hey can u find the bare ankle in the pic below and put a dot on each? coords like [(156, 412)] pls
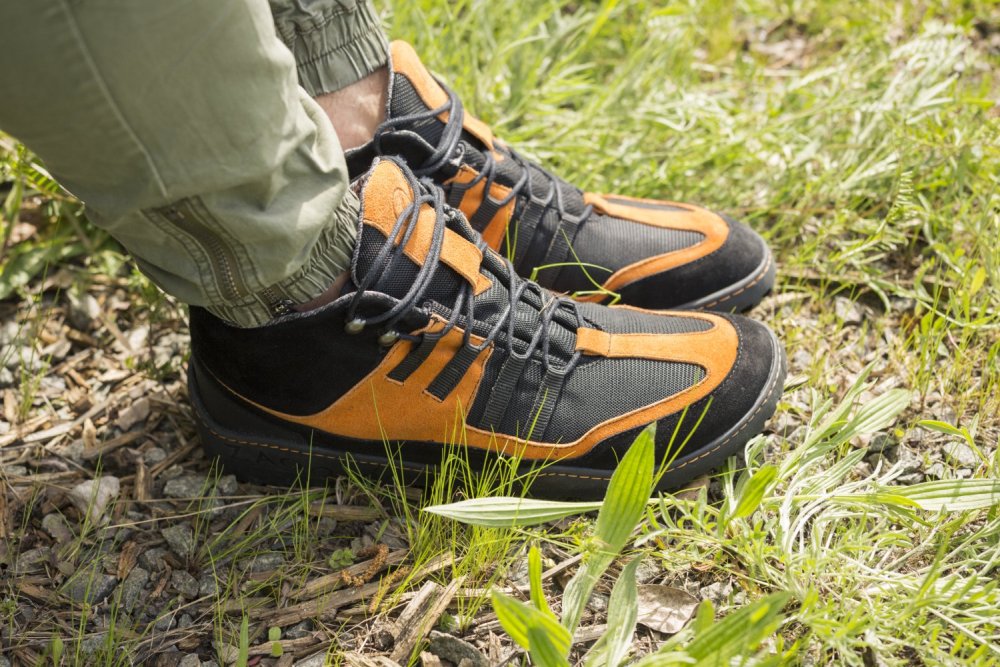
[(357, 109), (329, 296)]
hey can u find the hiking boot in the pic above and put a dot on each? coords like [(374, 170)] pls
[(437, 340), (654, 254)]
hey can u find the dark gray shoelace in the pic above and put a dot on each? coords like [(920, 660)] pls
[(387, 258), (449, 150)]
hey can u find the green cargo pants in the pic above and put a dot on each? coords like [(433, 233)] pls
[(188, 129)]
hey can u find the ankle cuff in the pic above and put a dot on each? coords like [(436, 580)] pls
[(329, 257), (333, 46)]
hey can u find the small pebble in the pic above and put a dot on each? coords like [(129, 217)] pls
[(94, 497), (133, 587), (181, 540), (455, 650), (961, 454), (185, 487), (208, 585), (55, 525), (154, 455), (184, 584), (90, 589), (152, 559)]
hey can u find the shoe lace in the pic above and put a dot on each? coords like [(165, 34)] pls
[(450, 149), (388, 256)]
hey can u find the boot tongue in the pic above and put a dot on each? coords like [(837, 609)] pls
[(414, 90), (386, 195)]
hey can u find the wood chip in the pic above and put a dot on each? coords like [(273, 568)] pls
[(345, 512), (9, 407), (421, 615), (95, 450), (326, 606), (590, 634), (429, 659), (331, 582), (287, 645), (143, 482), (127, 559), (359, 660)]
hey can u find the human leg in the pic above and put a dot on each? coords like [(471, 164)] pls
[(183, 128), (341, 55)]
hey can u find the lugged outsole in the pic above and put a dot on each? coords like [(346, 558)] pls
[(292, 459)]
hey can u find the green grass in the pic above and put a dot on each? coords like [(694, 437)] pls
[(863, 140)]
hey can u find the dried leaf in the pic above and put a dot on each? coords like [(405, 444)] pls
[(665, 608), (127, 559)]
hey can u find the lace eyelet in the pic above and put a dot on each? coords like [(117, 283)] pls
[(354, 327)]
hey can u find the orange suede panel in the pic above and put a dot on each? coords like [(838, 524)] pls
[(406, 61), (387, 195), (691, 218), (379, 408), (496, 230), (713, 349)]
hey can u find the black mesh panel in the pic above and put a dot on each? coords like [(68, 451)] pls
[(519, 417), (631, 321), (656, 206), (606, 388), (614, 243)]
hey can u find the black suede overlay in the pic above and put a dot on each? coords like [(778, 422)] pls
[(299, 366), (738, 257)]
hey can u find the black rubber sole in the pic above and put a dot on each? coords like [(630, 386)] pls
[(256, 448), (742, 295)]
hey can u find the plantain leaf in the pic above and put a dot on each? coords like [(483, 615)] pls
[(623, 610), (509, 512), (877, 414), (518, 619), (535, 578), (543, 649), (754, 490), (628, 492), (736, 637), (950, 495), (624, 505)]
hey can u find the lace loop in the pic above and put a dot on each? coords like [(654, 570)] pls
[(464, 306), (449, 150)]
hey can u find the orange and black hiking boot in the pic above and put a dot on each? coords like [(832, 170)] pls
[(436, 340), (654, 254)]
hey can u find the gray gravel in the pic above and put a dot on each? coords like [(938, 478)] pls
[(181, 540)]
